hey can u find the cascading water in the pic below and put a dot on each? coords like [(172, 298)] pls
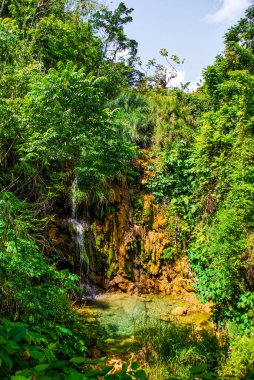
[(77, 228), (78, 233), (83, 238)]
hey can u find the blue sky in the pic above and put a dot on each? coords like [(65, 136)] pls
[(191, 29)]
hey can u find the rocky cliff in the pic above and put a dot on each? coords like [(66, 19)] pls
[(130, 244)]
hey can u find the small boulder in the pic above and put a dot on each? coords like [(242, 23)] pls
[(176, 289), (179, 311), (187, 285), (124, 286), (118, 279)]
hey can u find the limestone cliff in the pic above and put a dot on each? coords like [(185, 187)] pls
[(131, 244)]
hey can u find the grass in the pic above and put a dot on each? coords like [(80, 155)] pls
[(171, 351)]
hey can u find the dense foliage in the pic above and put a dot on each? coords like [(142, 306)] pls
[(204, 147), (55, 87), (75, 103)]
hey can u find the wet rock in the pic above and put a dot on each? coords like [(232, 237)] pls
[(187, 285), (178, 267), (176, 289), (130, 240), (119, 279), (136, 275), (164, 287), (98, 279), (124, 286), (196, 308), (179, 311), (132, 288)]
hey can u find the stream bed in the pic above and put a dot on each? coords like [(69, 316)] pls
[(117, 317)]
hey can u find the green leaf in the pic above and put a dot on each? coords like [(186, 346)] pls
[(58, 364), (141, 375), (199, 368), (35, 354), (135, 366), (125, 376), (6, 360), (76, 376), (100, 372), (18, 334), (12, 347), (112, 377), (40, 368), (124, 368), (77, 360)]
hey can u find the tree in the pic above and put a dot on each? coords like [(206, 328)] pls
[(28, 12)]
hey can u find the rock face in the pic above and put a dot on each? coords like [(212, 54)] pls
[(133, 245), (136, 242)]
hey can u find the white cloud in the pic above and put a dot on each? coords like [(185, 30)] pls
[(120, 54), (193, 85), (230, 11), (180, 78)]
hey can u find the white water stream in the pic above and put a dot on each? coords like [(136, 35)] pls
[(76, 226)]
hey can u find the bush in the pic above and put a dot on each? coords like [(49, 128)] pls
[(240, 364), (176, 351), (27, 354)]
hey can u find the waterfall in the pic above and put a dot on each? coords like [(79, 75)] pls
[(82, 236), (77, 228), (78, 234)]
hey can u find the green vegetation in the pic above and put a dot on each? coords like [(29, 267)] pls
[(55, 122), (178, 352), (71, 107)]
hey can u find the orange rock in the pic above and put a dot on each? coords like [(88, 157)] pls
[(176, 289), (179, 311)]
